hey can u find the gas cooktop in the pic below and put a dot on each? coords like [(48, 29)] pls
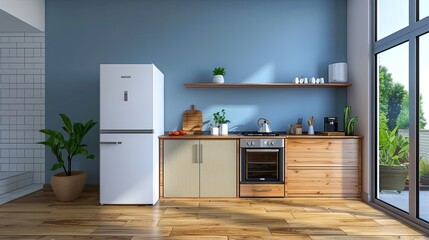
[(262, 133)]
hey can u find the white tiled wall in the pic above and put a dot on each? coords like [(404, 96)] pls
[(22, 103)]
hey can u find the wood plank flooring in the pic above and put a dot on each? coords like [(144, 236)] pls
[(40, 216)]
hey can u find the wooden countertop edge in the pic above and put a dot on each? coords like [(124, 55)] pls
[(322, 136), (235, 136), (232, 136)]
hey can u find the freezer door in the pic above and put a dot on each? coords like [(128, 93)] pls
[(127, 167), (126, 96)]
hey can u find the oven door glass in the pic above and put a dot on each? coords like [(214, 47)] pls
[(262, 165)]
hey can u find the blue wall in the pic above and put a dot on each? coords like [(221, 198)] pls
[(256, 41)]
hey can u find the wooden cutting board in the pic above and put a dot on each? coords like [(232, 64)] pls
[(193, 121)]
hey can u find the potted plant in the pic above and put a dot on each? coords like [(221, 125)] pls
[(393, 160), (424, 171), (68, 184), (221, 121), (218, 75), (214, 129), (349, 122)]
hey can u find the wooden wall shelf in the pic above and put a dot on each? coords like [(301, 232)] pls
[(265, 85)]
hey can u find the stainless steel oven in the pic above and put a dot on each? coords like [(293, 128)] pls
[(262, 160)]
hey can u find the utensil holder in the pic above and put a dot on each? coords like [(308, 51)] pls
[(311, 130)]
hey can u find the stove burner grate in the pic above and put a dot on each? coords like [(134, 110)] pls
[(260, 134)]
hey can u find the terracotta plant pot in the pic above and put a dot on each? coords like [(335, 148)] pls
[(393, 177), (68, 188)]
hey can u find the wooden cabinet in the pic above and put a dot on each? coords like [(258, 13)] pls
[(181, 168), (262, 190), (199, 168), (323, 167)]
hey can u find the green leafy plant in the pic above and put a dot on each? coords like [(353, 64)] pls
[(219, 71), (424, 167), (393, 148), (71, 143), (220, 118), (349, 122)]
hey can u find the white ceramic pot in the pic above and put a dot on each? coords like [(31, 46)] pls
[(218, 79), (214, 131), (311, 130), (224, 129)]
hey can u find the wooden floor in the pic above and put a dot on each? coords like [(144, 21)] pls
[(40, 216)]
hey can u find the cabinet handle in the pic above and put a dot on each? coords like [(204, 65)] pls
[(201, 153), (262, 190), (197, 155), (262, 150), (110, 142)]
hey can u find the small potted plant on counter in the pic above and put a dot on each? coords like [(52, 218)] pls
[(214, 129), (221, 121), (218, 75), (68, 185)]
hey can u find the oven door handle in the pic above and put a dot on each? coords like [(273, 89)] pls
[(262, 150)]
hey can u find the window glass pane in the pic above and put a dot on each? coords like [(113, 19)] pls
[(423, 8), (392, 15), (424, 128), (393, 125)]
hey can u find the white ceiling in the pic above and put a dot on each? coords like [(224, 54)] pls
[(9, 23), (22, 15)]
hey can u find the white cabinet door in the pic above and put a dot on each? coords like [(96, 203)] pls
[(126, 169), (181, 168), (218, 168), (126, 96)]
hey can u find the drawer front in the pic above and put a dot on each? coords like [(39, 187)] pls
[(318, 183), (262, 190), (322, 152)]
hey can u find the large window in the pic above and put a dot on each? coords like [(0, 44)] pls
[(423, 44), (392, 15), (393, 122), (402, 108), (423, 8)]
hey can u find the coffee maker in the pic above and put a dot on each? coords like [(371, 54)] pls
[(331, 124)]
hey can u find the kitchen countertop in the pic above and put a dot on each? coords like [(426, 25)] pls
[(201, 136), (238, 136)]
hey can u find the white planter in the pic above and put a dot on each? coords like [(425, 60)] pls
[(214, 131), (218, 79), (311, 130), (224, 129)]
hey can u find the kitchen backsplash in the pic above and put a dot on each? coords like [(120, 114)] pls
[(22, 103)]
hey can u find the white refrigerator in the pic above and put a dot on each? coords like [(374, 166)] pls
[(131, 119)]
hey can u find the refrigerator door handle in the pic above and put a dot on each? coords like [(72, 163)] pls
[(110, 142), (125, 96)]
